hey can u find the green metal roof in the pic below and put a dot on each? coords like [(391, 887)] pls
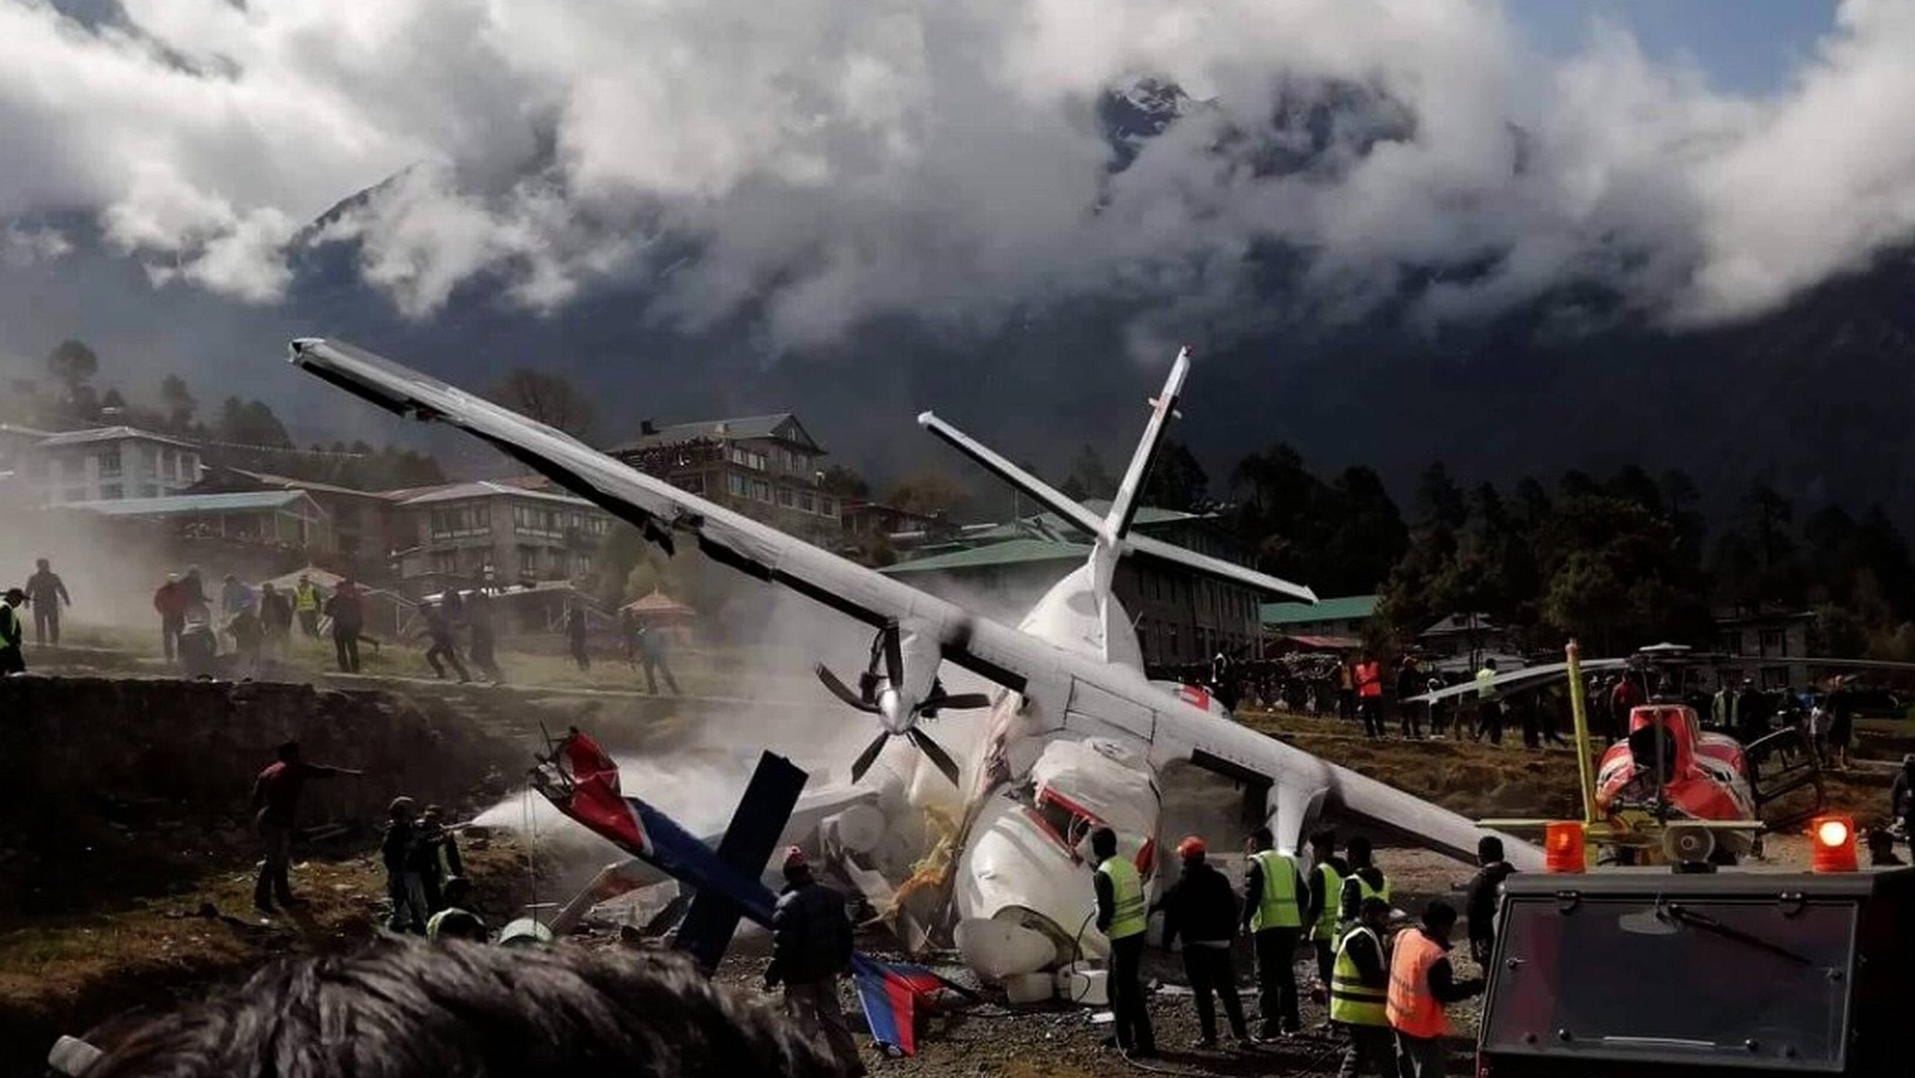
[(1009, 552), (1337, 609), (192, 503)]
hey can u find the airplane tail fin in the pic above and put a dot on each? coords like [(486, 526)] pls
[(1123, 507), (581, 780), (890, 993), (1113, 530)]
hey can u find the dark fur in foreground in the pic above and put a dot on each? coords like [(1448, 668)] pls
[(409, 1010)]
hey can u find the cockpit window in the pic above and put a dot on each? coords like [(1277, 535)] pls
[(1066, 822)]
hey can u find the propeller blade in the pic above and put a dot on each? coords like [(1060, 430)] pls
[(893, 656), (865, 759), (841, 691), (956, 702), (936, 752)]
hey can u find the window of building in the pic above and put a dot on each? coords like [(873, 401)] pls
[(695, 482), (827, 507), (112, 492), (445, 562), (1729, 642), (528, 557), (110, 462), (786, 497), (1773, 642), (457, 521), (746, 458), (760, 490), (807, 501), (737, 484), (582, 565)]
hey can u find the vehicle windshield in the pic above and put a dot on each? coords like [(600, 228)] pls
[(1730, 982)]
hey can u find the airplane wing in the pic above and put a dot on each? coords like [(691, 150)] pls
[(1079, 690), (668, 515), (1305, 787), (1517, 679)]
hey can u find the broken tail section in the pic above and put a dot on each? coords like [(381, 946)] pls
[(582, 782)]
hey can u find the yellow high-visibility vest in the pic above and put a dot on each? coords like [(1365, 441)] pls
[(1327, 917), (1351, 1001), (1129, 917), (1279, 905)]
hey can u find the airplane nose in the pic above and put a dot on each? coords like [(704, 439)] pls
[(1016, 873)]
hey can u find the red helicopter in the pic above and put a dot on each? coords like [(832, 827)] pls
[(1671, 790)]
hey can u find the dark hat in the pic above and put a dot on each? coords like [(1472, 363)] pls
[(15, 593)]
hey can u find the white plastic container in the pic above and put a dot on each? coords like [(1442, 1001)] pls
[(1027, 988), (1088, 987)]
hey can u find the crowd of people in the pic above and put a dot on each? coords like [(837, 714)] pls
[(1388, 995), (1377, 698)]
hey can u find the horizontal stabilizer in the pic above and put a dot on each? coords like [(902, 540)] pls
[(1091, 524), (1046, 495)]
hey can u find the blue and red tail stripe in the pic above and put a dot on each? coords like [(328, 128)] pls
[(889, 993)]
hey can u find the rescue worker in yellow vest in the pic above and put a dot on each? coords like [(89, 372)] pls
[(1122, 916), (306, 606), (1422, 984), (1323, 900), (12, 659), (1273, 916), (1364, 880), (1489, 708), (1359, 993)]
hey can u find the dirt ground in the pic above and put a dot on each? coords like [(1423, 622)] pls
[(150, 950)]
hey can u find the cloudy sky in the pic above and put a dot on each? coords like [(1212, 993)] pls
[(813, 164)]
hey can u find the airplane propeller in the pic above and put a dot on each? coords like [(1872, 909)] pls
[(888, 696)]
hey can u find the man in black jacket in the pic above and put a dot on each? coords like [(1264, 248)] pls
[(1202, 907), (47, 592), (1483, 897), (810, 947)]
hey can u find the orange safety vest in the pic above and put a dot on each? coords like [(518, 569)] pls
[(1369, 679), (1412, 1008)]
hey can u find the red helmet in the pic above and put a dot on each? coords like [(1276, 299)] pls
[(1192, 846)]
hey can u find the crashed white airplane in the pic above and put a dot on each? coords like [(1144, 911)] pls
[(1077, 738)]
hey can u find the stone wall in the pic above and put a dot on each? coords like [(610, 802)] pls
[(152, 776)]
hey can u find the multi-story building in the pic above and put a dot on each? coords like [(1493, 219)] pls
[(1181, 617), (109, 463), (764, 466), (1765, 646), (278, 518), (364, 523), (498, 532), (1338, 622)]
